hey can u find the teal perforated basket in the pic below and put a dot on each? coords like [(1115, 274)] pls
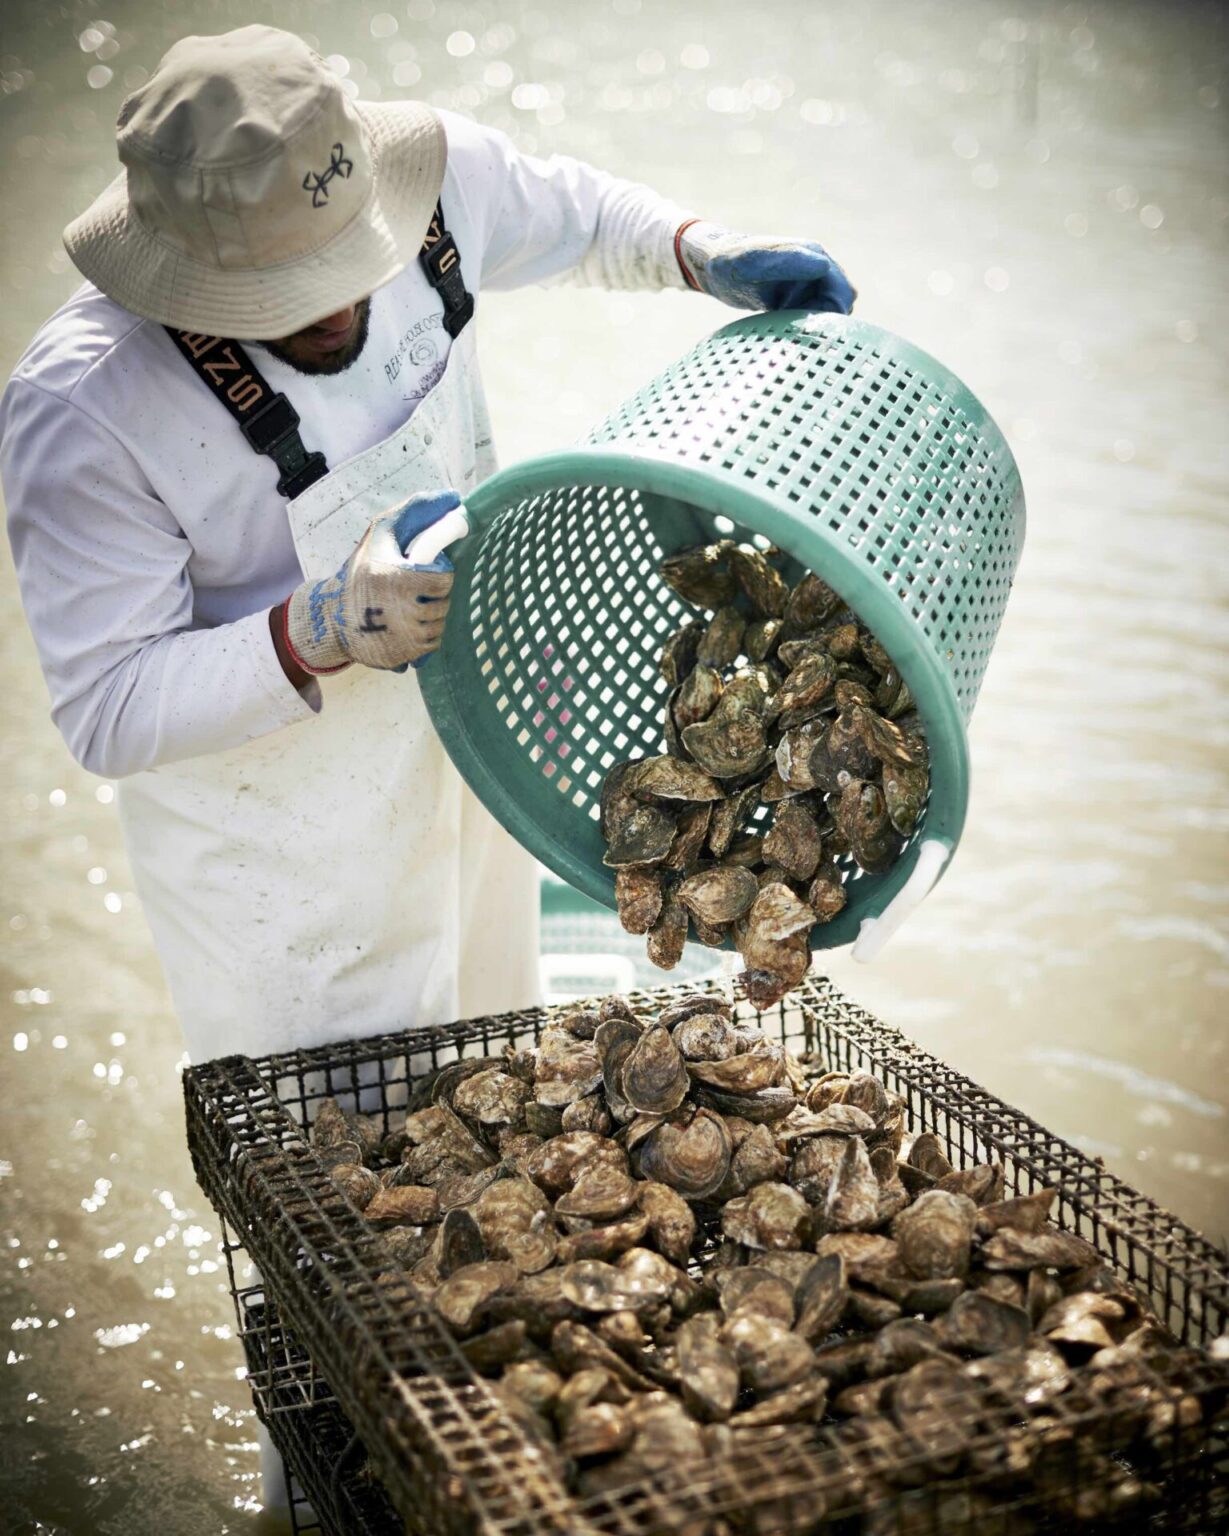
[(858, 455)]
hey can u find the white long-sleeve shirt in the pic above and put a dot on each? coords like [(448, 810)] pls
[(150, 540)]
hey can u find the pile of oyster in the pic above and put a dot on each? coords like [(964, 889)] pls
[(779, 698), (658, 1236)]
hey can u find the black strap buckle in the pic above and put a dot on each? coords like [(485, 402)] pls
[(270, 424)]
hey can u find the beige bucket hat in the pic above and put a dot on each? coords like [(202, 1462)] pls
[(256, 197)]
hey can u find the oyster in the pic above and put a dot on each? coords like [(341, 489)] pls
[(809, 605), (701, 576), (635, 832), (463, 1296), (770, 1356), (794, 842), (638, 896), (698, 695), (491, 1097), (654, 1076), (568, 1069), (934, 1235), (678, 654), (978, 1324), (760, 638), (671, 1222), (729, 816), (852, 1199), (822, 1296), (411, 1205), (707, 1037), (764, 586), (668, 778), (805, 691), (668, 935), (600, 1191), (730, 743), (720, 894), (691, 1154), (708, 1371), (862, 821), (768, 1216), (721, 642)]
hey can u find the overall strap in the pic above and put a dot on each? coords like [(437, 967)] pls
[(266, 417), (441, 261)]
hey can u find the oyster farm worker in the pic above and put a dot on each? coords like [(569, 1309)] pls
[(215, 456)]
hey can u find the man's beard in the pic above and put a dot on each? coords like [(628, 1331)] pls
[(332, 362)]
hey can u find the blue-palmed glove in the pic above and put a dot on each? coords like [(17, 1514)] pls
[(378, 609), (750, 272)]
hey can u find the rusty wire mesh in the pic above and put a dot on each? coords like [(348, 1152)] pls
[(340, 1352)]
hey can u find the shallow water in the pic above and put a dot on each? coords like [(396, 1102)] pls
[(1036, 193)]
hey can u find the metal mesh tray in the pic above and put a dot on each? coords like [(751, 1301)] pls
[(452, 1460)]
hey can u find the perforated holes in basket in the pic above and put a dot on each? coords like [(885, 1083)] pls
[(568, 617), (842, 429)]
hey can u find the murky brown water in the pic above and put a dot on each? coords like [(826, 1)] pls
[(1037, 193)]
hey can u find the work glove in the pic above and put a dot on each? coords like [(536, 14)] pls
[(747, 272), (378, 610)]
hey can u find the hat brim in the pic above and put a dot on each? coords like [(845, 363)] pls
[(114, 250)]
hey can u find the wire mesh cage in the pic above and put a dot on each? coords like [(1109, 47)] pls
[(373, 1352), (854, 453)]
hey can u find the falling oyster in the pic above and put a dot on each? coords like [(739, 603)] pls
[(794, 841), (638, 896), (668, 935), (691, 829), (719, 895)]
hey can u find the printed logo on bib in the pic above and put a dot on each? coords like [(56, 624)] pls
[(417, 347)]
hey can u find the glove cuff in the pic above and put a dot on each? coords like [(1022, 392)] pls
[(678, 253), (320, 658)]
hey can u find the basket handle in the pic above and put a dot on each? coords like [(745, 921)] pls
[(876, 931)]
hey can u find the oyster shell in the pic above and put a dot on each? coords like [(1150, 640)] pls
[(707, 1037), (568, 1069), (764, 586), (691, 1155), (721, 642), (794, 842), (701, 576), (678, 654), (668, 935), (492, 1097), (768, 1216), (669, 778), (671, 1222), (638, 896), (697, 696), (719, 895), (708, 1371), (934, 1235), (654, 1076)]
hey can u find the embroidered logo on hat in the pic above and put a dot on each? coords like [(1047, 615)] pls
[(317, 182)]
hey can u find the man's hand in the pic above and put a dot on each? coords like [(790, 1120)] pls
[(752, 273), (378, 610)]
